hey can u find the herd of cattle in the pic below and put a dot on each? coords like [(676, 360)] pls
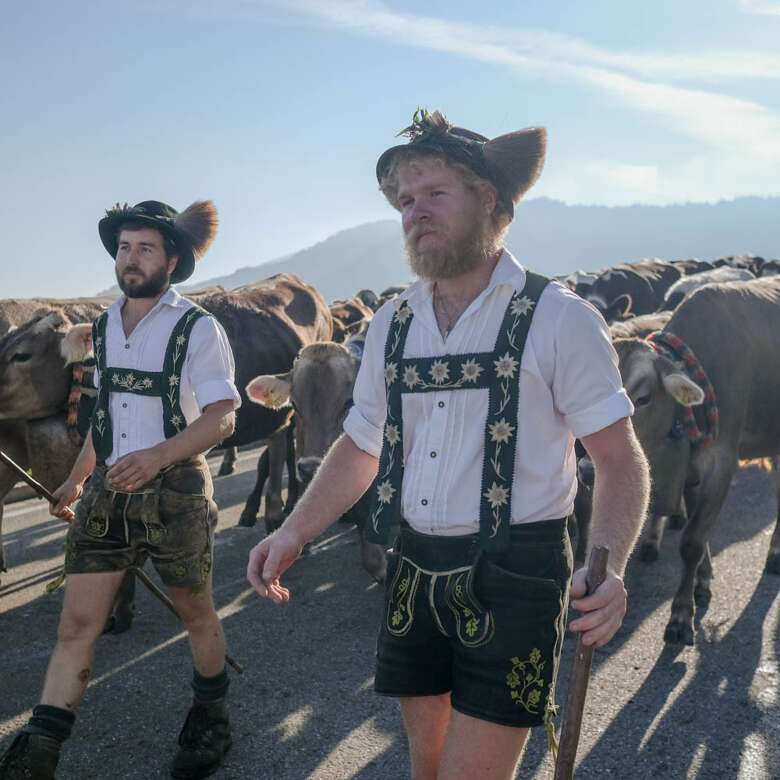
[(697, 341)]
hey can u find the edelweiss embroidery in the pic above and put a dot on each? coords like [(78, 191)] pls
[(498, 372)]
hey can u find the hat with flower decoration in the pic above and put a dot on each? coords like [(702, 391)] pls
[(511, 162), (191, 230)]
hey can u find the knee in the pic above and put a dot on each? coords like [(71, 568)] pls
[(691, 550), (196, 612), (78, 626)]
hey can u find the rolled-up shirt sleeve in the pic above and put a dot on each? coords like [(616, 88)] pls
[(366, 419), (210, 364), (587, 386)]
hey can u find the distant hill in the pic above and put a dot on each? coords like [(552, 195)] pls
[(546, 235)]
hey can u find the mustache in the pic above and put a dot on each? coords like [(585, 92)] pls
[(418, 230)]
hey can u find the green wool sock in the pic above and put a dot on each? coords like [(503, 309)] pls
[(51, 722), (210, 688)]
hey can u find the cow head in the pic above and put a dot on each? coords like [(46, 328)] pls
[(659, 391), (34, 379), (319, 388)]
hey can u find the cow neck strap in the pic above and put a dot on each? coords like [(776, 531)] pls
[(667, 344), (497, 372), (80, 385), (163, 384)]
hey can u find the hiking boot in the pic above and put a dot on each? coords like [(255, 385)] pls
[(30, 757), (204, 739)]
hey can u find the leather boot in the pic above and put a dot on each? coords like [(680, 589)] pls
[(204, 739), (30, 757)]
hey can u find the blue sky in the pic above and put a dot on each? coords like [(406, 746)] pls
[(278, 109)]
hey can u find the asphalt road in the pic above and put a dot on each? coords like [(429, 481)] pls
[(304, 708)]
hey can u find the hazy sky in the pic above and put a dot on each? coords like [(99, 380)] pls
[(278, 109)]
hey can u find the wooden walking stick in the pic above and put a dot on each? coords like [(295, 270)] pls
[(578, 681), (33, 483), (139, 573)]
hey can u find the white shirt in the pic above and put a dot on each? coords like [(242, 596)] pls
[(207, 375), (570, 387)]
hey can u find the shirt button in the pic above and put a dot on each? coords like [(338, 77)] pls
[(124, 406), (441, 404), (127, 346), (433, 454), (124, 435), (424, 502)]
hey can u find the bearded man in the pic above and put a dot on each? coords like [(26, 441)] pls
[(473, 386), (166, 395)]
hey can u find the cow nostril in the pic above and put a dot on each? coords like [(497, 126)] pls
[(585, 471), (307, 469)]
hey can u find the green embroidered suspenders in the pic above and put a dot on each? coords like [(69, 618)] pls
[(160, 384), (496, 371)]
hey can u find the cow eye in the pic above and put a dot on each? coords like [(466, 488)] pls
[(643, 400), (677, 431), (21, 357)]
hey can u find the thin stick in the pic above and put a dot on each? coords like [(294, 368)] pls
[(580, 673), (33, 483), (142, 575)]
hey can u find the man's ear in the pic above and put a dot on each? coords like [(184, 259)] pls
[(173, 261), (489, 199)]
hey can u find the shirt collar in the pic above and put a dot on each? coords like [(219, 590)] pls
[(507, 271), (170, 298)]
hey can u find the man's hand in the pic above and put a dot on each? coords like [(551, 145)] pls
[(268, 560), (604, 609), (65, 495), (132, 471)]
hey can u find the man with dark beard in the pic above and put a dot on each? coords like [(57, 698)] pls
[(166, 395), (473, 385)]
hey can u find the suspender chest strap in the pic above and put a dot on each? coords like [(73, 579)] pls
[(498, 372), (159, 384)]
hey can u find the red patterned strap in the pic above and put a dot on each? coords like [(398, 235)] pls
[(672, 346)]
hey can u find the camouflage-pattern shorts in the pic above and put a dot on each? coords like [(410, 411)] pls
[(171, 519)]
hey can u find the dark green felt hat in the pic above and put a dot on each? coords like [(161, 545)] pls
[(191, 230), (511, 162)]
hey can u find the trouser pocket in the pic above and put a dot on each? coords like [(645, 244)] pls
[(401, 594), (474, 625)]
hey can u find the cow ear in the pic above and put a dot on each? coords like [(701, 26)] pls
[(271, 390), (76, 345), (683, 389)]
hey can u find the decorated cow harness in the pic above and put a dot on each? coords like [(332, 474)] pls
[(163, 384), (676, 350), (497, 372)]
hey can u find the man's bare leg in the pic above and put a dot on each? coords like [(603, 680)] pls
[(480, 750), (87, 603), (206, 637), (426, 719)]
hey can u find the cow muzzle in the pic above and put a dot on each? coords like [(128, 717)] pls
[(307, 468)]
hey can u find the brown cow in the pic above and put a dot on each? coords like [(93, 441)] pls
[(319, 388), (734, 332), (347, 313), (266, 323)]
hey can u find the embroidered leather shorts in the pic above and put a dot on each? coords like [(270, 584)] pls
[(171, 520), (487, 627)]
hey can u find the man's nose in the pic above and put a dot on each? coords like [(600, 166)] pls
[(417, 213)]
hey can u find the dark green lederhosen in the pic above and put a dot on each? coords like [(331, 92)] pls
[(171, 519), (486, 626), (502, 591)]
